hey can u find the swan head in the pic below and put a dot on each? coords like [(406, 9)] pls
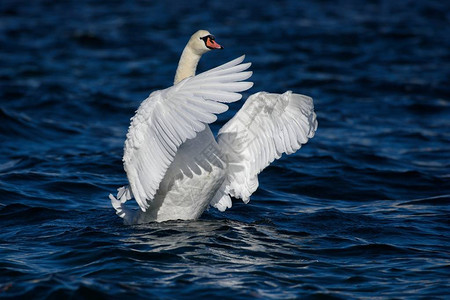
[(202, 41)]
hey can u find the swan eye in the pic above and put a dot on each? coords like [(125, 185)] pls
[(205, 38)]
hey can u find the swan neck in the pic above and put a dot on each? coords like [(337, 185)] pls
[(187, 64)]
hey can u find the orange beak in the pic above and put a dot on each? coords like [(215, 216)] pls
[(211, 44)]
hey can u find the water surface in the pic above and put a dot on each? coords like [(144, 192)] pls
[(361, 211)]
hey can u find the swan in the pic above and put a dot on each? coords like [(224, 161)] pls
[(176, 168)]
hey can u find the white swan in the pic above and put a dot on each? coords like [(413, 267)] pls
[(175, 166)]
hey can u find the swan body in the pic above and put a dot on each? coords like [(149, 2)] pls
[(175, 166)]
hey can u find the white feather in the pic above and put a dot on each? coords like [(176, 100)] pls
[(169, 117), (267, 126)]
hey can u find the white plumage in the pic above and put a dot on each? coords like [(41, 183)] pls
[(175, 166), (267, 126)]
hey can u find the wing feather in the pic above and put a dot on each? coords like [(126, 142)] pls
[(267, 126), (169, 117), (225, 66)]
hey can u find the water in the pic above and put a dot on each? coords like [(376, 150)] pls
[(361, 211)]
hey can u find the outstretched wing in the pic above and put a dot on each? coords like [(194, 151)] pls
[(267, 126), (167, 118)]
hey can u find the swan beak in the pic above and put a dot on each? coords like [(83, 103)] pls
[(211, 44)]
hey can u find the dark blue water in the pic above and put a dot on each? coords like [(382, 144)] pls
[(361, 211)]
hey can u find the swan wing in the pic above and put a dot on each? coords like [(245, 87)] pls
[(167, 118), (267, 126)]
